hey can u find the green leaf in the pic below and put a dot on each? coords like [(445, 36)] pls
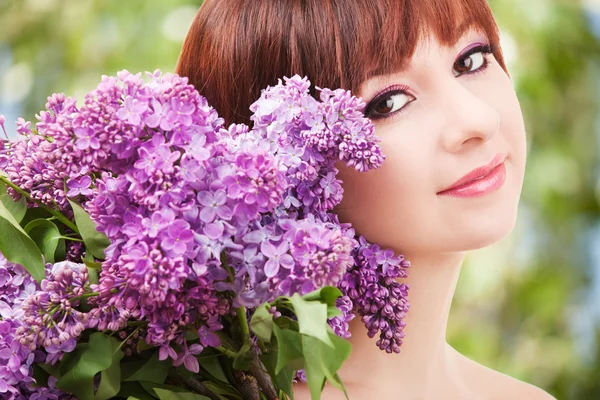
[(89, 262), (213, 367), (223, 392), (289, 349), (143, 346), (110, 379), (333, 312), (40, 375), (16, 208), (244, 359), (326, 294), (283, 379), (323, 362), (46, 236), (35, 213), (133, 390), (61, 251), (312, 318), (83, 364), (95, 242), (17, 247), (168, 392), (153, 370), (93, 276), (165, 394), (261, 322), (287, 323)]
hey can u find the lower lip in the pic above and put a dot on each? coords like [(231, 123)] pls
[(480, 187)]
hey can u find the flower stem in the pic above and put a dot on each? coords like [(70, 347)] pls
[(227, 352), (70, 239), (243, 320), (68, 223), (126, 339)]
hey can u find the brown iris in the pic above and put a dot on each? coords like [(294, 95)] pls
[(463, 65), (384, 106)]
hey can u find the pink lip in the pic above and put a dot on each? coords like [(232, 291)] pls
[(480, 181)]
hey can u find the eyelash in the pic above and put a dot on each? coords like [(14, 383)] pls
[(486, 50)]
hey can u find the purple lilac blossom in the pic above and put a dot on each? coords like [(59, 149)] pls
[(194, 210), (16, 359), (381, 301), (51, 319)]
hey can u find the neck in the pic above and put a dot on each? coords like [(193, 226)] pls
[(423, 358)]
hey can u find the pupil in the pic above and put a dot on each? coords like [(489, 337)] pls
[(385, 106)]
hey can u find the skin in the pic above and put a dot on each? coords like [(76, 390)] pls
[(454, 124)]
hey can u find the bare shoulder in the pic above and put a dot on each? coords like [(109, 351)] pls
[(496, 385)]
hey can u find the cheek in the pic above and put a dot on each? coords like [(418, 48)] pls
[(389, 205)]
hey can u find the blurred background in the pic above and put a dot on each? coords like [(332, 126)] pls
[(528, 306)]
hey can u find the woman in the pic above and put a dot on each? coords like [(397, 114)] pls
[(433, 77)]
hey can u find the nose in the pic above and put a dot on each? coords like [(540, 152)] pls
[(471, 119)]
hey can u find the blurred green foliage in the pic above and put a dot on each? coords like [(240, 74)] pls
[(528, 306)]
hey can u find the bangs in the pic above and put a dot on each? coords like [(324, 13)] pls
[(235, 48), (380, 37)]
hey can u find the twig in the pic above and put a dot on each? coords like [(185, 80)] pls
[(262, 376)]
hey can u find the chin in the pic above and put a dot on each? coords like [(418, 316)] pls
[(485, 232)]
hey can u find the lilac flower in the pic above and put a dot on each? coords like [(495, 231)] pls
[(214, 205), (166, 351), (86, 139), (207, 337), (180, 112), (158, 221), (132, 110), (277, 257), (2, 122), (340, 324), (387, 259), (156, 118), (23, 127), (177, 238), (188, 358), (79, 186), (156, 156)]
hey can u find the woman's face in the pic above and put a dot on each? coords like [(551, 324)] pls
[(451, 111)]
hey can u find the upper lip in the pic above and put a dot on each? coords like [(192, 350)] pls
[(478, 172)]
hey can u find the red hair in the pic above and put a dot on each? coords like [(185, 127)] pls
[(235, 48)]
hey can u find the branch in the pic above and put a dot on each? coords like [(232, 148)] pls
[(262, 376)]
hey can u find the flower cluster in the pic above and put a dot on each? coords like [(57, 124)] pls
[(380, 299), (51, 319), (201, 218), (16, 359)]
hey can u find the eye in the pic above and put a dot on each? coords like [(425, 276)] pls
[(388, 103), (474, 60)]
